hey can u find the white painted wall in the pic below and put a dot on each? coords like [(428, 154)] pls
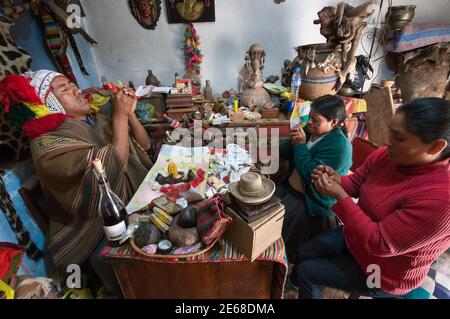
[(126, 50)]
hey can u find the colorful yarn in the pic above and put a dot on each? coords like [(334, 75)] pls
[(39, 110), (20, 114), (36, 127), (16, 88), (192, 54), (24, 107)]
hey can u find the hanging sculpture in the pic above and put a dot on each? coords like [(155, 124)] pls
[(146, 12), (344, 26), (185, 11), (192, 55)]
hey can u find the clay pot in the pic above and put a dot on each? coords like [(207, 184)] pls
[(207, 92), (317, 82), (399, 16)]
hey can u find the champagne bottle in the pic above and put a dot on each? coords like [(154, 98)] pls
[(110, 207)]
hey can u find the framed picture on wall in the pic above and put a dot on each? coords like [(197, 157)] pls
[(185, 11)]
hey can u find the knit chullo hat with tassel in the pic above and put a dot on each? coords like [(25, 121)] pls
[(30, 103)]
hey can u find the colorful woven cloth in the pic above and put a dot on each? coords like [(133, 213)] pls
[(211, 221), (222, 251), (415, 36), (356, 127), (354, 105), (56, 41)]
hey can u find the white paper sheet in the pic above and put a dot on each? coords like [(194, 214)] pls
[(162, 89), (146, 90), (145, 193)]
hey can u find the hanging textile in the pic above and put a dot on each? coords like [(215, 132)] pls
[(53, 15), (57, 43)]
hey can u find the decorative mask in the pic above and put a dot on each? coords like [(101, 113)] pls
[(146, 12)]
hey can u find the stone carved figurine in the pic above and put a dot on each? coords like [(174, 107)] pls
[(152, 79), (254, 95)]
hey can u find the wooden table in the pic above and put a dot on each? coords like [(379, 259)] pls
[(157, 131), (229, 280), (215, 277)]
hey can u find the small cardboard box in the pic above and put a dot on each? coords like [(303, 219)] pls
[(271, 113), (236, 116), (254, 238)]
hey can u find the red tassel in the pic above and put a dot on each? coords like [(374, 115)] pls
[(17, 88), (34, 128)]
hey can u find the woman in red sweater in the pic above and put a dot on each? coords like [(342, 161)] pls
[(401, 223)]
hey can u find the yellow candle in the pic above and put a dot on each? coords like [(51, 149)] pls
[(236, 106)]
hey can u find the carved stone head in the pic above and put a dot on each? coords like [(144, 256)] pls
[(256, 52)]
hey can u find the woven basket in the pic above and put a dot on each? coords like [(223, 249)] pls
[(217, 228), (158, 256)]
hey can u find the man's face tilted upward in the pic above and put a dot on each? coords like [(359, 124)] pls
[(70, 97)]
